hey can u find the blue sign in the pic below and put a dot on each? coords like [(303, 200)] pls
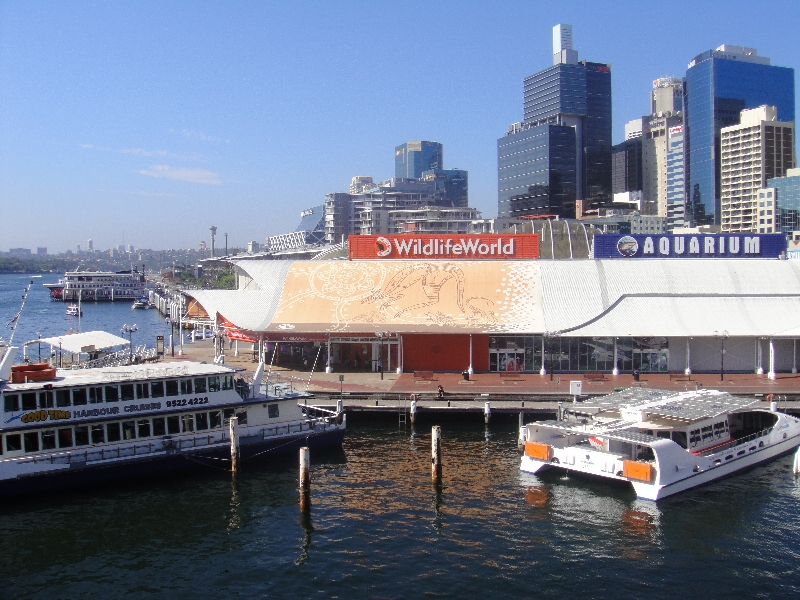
[(668, 245)]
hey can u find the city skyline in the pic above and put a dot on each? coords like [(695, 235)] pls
[(147, 124)]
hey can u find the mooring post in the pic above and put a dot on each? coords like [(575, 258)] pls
[(413, 411), (487, 413), (521, 440), (305, 478), (436, 454), (234, 429)]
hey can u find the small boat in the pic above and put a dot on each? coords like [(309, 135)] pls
[(141, 303), (74, 311), (661, 442)]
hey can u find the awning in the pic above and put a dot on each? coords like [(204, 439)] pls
[(89, 341)]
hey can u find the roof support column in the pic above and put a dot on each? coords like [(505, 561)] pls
[(328, 368), (771, 373), (615, 370), (543, 370), (794, 356), (400, 354), (759, 368), (688, 370), (469, 370)]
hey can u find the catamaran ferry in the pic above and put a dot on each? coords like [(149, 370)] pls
[(659, 441), (64, 427)]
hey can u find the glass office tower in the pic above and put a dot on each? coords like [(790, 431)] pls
[(412, 159), (719, 84)]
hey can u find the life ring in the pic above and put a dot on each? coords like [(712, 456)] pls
[(770, 397), (412, 397)]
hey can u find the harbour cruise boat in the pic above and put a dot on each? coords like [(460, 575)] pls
[(98, 286), (661, 442), (64, 427)]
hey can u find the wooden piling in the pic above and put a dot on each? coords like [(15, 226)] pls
[(305, 478), (436, 454), (234, 430), (413, 411), (487, 413), (521, 439)]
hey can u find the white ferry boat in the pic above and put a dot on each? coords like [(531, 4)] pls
[(98, 286), (661, 442), (66, 427)]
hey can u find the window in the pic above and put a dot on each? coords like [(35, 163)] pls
[(200, 385), (187, 422), (142, 390), (113, 432), (215, 419), (126, 391), (201, 421), (98, 434), (227, 382), (242, 415), (157, 389), (29, 401), (46, 399), (95, 395), (128, 430), (48, 439), (213, 384), (11, 402), (172, 387), (79, 397), (173, 425), (144, 428), (112, 393), (186, 386), (159, 426), (82, 435), (273, 411), (65, 438), (13, 442), (31, 441), (227, 414)]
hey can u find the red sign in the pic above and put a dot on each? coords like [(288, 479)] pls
[(444, 247)]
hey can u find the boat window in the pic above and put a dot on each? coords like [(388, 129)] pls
[(213, 384), (215, 419), (11, 402), (112, 393), (65, 438), (201, 421), (13, 442), (157, 389), (159, 426), (227, 414), (126, 391), (82, 435), (46, 399), (173, 425), (273, 411), (31, 441), (142, 390), (98, 434), (662, 434), (48, 439), (227, 382), (144, 428), (29, 401), (62, 398), (679, 437), (172, 387), (113, 432), (128, 430), (187, 423), (242, 415), (186, 386), (79, 396), (200, 385), (95, 395)]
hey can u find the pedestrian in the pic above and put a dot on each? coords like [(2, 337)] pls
[(380, 365), (440, 392), (305, 362)]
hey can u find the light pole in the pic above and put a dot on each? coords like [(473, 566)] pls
[(129, 329), (226, 244), (721, 336), (171, 335)]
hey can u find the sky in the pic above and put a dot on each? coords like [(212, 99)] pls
[(145, 123)]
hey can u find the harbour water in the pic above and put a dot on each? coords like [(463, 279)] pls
[(379, 528)]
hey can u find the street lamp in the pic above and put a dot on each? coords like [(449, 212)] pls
[(226, 244), (721, 336), (171, 335), (129, 329)]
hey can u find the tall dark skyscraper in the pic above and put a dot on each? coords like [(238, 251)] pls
[(719, 84), (570, 94), (412, 159)]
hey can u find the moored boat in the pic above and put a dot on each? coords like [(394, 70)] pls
[(143, 302), (73, 310), (661, 442)]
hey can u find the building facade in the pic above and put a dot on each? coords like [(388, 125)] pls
[(676, 182), (452, 186), (412, 159), (780, 201)]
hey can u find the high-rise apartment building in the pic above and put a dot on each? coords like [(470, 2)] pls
[(719, 84), (412, 159), (759, 148), (676, 183), (574, 95)]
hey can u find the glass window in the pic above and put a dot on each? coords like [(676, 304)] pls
[(11, 402), (31, 441), (173, 425), (187, 422), (227, 382), (242, 415), (142, 390), (213, 384), (272, 411), (95, 395), (112, 393), (113, 432), (46, 399), (79, 397), (62, 398), (29, 401), (98, 434), (65, 438), (128, 430), (82, 435), (201, 421), (126, 391), (200, 385), (13, 442), (172, 387), (157, 389), (48, 439), (227, 414), (215, 419), (144, 428), (159, 426), (186, 386)]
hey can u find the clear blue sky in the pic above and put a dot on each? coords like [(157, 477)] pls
[(150, 121)]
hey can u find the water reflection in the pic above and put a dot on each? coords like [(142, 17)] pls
[(308, 529), (234, 518)]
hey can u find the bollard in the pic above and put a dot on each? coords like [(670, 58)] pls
[(487, 413), (305, 478), (413, 411), (521, 440), (560, 412), (436, 454), (234, 430)]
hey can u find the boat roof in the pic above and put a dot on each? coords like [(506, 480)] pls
[(620, 430), (88, 341), (681, 407)]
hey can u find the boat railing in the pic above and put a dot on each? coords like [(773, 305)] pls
[(742, 441)]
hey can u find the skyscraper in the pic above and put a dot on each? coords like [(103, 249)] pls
[(571, 94), (414, 158), (676, 182), (719, 84)]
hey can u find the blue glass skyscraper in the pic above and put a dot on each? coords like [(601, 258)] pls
[(412, 159), (719, 84)]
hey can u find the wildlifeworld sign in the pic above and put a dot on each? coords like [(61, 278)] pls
[(724, 245), (446, 247)]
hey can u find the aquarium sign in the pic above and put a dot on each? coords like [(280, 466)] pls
[(725, 245)]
